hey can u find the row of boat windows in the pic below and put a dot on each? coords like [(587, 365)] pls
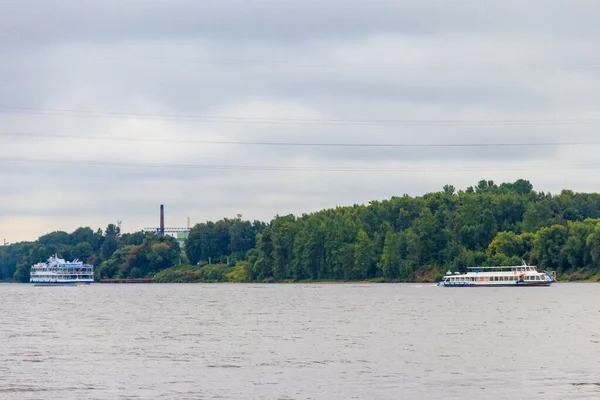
[(61, 273), (61, 269), (492, 278), (87, 278), (84, 276)]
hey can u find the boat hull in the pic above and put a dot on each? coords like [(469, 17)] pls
[(61, 283), (513, 284)]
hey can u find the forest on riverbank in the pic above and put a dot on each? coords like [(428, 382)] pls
[(403, 239)]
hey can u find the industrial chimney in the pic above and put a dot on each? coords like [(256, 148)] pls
[(162, 219)]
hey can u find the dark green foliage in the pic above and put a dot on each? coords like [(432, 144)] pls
[(187, 274), (401, 239), (153, 255), (22, 273), (82, 251), (217, 240), (212, 273), (133, 255)]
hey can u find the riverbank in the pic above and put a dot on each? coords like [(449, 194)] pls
[(229, 274)]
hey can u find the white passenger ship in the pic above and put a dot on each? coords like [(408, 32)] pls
[(57, 271), (522, 275)]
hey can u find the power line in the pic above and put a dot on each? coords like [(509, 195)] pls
[(326, 65), (297, 169), (293, 144), (281, 120)]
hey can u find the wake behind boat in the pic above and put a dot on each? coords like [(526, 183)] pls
[(522, 275), (57, 271)]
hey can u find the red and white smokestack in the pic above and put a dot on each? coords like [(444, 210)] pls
[(162, 219)]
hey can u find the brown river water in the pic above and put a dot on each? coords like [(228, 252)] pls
[(305, 341)]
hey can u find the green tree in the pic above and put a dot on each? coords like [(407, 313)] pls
[(548, 247), (263, 267), (593, 243), (391, 257), (425, 239), (82, 251), (576, 248), (22, 273), (364, 256), (538, 215), (505, 247)]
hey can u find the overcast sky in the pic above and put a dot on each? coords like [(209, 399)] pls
[(283, 71)]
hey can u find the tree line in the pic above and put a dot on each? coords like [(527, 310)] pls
[(401, 239), (113, 254)]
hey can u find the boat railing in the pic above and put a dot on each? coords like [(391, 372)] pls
[(531, 268)]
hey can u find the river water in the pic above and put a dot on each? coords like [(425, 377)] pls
[(321, 341)]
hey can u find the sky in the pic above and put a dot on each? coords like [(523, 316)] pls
[(110, 108)]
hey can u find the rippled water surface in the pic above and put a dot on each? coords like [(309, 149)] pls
[(322, 341)]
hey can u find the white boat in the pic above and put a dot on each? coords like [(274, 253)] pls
[(57, 271), (520, 275)]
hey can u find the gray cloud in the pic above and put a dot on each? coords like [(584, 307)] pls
[(282, 22), (341, 61)]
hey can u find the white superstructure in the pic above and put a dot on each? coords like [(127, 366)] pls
[(520, 275), (57, 271)]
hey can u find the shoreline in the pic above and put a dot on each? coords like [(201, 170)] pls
[(146, 282)]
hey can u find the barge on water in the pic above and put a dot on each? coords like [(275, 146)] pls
[(514, 276)]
